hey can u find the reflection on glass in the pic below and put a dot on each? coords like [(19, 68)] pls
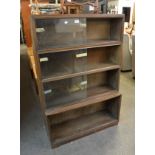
[(63, 63), (65, 91), (60, 32)]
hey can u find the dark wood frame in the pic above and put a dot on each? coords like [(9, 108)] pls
[(113, 95)]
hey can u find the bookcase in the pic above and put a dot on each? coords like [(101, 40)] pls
[(77, 60)]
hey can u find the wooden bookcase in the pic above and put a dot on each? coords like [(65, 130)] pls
[(78, 65)]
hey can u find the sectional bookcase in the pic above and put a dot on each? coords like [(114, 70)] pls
[(77, 60)]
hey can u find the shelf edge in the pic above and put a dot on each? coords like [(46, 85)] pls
[(54, 50), (83, 103), (108, 68)]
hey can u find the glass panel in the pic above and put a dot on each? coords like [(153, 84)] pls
[(65, 91), (63, 63), (58, 33), (73, 89)]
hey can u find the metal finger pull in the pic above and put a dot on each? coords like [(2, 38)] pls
[(76, 21), (39, 30), (81, 55), (83, 83), (48, 91), (44, 59)]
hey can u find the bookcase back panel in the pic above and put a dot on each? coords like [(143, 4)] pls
[(98, 55), (98, 29), (104, 55), (104, 29), (62, 92)]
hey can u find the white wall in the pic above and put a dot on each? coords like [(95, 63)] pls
[(124, 3)]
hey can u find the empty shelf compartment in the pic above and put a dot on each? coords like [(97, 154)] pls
[(73, 124)]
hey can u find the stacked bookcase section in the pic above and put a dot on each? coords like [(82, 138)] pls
[(78, 66)]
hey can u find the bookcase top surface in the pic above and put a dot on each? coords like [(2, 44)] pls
[(78, 16)]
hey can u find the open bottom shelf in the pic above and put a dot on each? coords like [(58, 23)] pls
[(82, 126)]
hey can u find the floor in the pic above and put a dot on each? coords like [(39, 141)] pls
[(118, 140)]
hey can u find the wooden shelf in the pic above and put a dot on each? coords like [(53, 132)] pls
[(78, 45), (95, 68), (84, 125), (94, 95)]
